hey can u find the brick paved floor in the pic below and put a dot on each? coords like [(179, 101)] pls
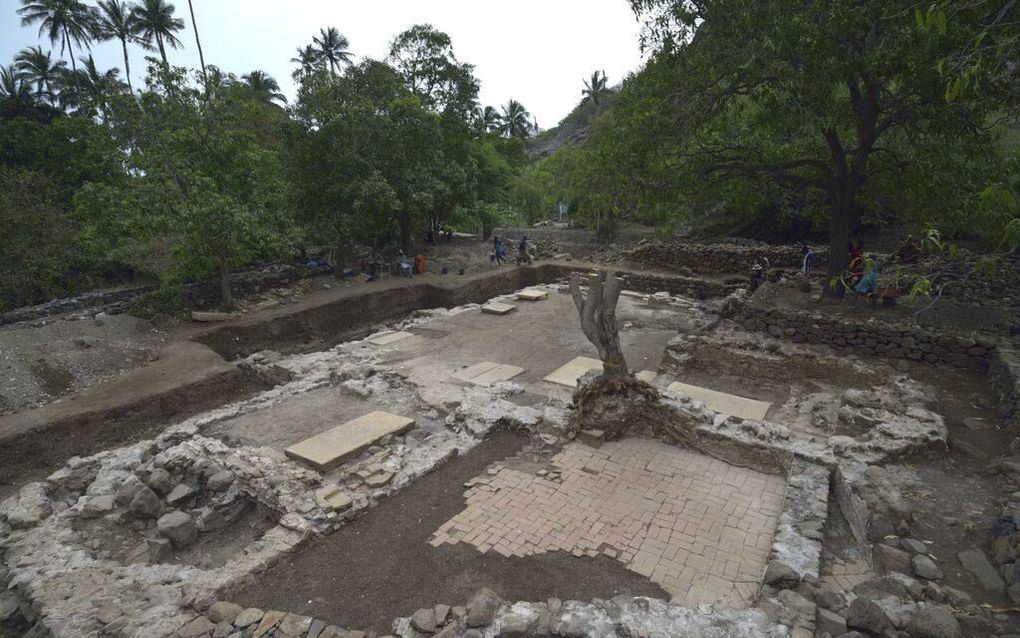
[(700, 528)]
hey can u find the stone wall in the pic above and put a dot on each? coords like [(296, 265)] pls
[(871, 338), (720, 257), (1004, 375)]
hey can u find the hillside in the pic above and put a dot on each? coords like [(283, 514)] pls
[(573, 129)]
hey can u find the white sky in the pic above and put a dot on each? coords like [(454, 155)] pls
[(536, 51)]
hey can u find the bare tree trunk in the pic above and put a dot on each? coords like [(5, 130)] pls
[(598, 319), (127, 66), (201, 58)]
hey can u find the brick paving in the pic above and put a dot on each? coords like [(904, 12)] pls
[(699, 527)]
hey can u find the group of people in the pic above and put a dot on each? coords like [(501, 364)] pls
[(499, 251), (861, 275)]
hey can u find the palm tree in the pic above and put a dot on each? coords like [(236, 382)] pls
[(92, 89), (69, 21), (308, 61), (156, 23), (490, 118), (194, 26), (264, 87), (39, 69), (596, 88), (116, 20), (13, 87), (515, 120), (334, 48)]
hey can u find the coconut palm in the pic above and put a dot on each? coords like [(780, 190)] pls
[(595, 88), (198, 41), (90, 92), (68, 21), (264, 87), (490, 118), (115, 20), (515, 120), (14, 89), (157, 24), (38, 68), (308, 61), (334, 47)]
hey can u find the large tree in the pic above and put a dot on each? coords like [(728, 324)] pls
[(264, 88), (116, 21), (815, 95), (203, 194), (424, 57), (157, 25), (39, 69), (515, 120), (69, 22), (333, 47)]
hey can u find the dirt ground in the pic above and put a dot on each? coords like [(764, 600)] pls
[(43, 361), (380, 566)]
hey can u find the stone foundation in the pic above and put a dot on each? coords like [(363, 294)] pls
[(719, 258)]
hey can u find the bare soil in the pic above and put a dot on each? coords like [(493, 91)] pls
[(380, 566)]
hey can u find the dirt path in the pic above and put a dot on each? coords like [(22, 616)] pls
[(380, 566)]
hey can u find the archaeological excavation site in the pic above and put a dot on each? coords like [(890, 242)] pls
[(568, 448)]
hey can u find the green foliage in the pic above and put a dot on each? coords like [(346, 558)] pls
[(202, 194), (38, 241)]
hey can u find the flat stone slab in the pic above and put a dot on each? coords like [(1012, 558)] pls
[(388, 338), (496, 308), (571, 373), (648, 376), (533, 295), (724, 403), (487, 373), (978, 564), (328, 449), (633, 294)]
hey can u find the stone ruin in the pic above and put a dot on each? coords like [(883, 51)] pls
[(151, 539)]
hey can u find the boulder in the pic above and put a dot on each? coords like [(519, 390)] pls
[(424, 620), (127, 490), (223, 611), (867, 614), (9, 604), (779, 574), (97, 506), (179, 527), (248, 617), (482, 608), (934, 621), (830, 622), (220, 481), (196, 628), (891, 559), (32, 507), (145, 504), (925, 567), (294, 626), (179, 494), (160, 480), (514, 625)]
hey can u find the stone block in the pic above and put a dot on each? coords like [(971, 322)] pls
[(533, 295), (975, 561), (593, 438), (497, 308), (487, 373), (331, 448)]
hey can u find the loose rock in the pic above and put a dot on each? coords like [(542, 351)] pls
[(179, 528)]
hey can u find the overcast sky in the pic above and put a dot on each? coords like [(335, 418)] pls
[(537, 51)]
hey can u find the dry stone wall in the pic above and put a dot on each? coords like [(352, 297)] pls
[(1004, 375), (871, 338), (719, 258)]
